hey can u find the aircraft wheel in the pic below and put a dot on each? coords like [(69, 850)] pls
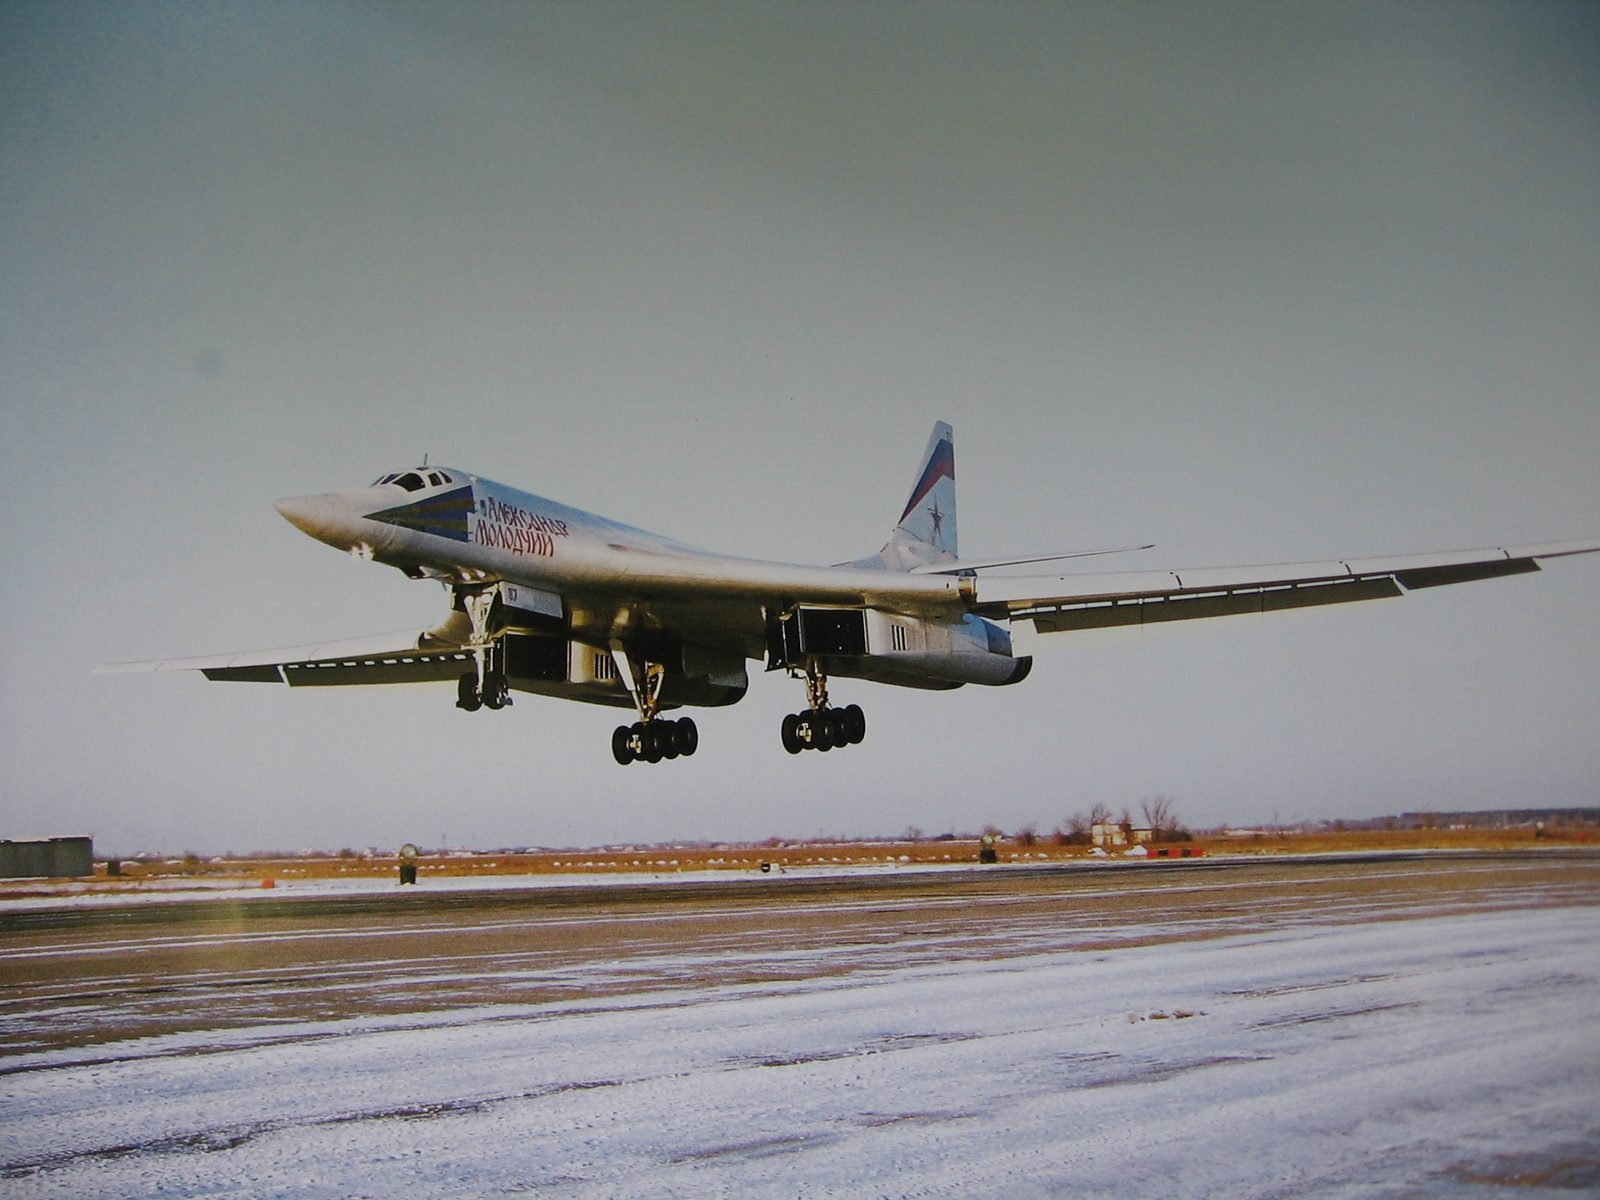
[(855, 724), (622, 745), (667, 735), (651, 739), (839, 727), (791, 734), (495, 693), (467, 692), (688, 737), (821, 731)]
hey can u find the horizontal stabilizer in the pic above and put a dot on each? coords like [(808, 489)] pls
[(983, 564)]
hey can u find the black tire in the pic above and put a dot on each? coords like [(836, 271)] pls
[(688, 737), (667, 734), (855, 724), (651, 738), (622, 745), (791, 734), (839, 727), (467, 697), (821, 721), (494, 691)]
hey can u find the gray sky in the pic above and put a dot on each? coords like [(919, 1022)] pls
[(1255, 282)]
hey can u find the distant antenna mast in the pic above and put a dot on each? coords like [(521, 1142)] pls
[(424, 460)]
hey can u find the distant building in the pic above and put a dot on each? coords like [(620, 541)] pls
[(1116, 833), (36, 858)]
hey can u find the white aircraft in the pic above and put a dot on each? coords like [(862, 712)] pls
[(558, 602)]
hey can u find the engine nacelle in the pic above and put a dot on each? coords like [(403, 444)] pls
[(890, 648)]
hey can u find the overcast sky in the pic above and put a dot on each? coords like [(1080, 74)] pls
[(1256, 283)]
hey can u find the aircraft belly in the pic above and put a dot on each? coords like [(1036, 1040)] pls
[(892, 673), (581, 692)]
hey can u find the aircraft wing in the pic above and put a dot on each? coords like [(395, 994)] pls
[(1068, 602), (408, 657)]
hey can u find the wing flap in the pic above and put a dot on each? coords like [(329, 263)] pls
[(1427, 577), (1148, 611), (269, 674), (438, 666)]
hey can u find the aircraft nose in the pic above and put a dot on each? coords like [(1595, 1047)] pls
[(326, 518)]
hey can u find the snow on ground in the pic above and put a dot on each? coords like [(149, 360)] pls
[(1449, 1056), (42, 895)]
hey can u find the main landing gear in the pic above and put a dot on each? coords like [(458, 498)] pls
[(824, 728), (821, 726), (653, 740), (649, 739)]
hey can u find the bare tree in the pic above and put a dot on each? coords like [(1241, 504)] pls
[(1161, 815), (1028, 835), (1158, 812)]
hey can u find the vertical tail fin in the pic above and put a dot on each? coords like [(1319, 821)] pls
[(929, 518), (926, 531)]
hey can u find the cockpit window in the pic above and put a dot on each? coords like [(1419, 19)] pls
[(411, 481), (383, 479), (435, 478)]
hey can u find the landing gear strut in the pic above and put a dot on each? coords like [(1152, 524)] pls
[(649, 739), (485, 685), (821, 726)]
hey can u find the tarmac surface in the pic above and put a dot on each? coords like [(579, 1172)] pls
[(80, 984)]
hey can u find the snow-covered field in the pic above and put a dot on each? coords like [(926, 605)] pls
[(1438, 1056), (54, 895)]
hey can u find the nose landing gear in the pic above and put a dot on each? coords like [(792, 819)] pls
[(485, 685), (821, 726), (492, 692)]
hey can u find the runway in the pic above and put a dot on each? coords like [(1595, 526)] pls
[(1330, 1026)]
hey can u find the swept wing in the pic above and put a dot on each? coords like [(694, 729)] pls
[(1071, 602), (409, 656)]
